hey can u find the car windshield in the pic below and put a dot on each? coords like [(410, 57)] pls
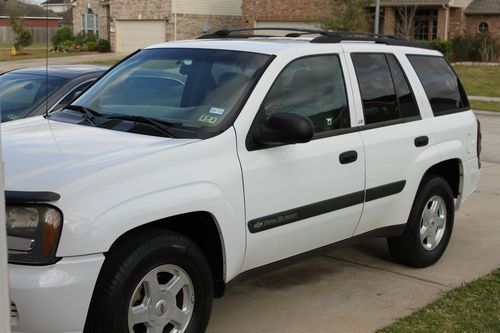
[(193, 88), (20, 94)]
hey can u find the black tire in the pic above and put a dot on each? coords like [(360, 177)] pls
[(408, 249), (129, 261)]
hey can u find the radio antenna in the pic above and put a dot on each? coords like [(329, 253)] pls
[(46, 60)]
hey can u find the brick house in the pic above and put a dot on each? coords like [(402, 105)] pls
[(289, 13), (132, 24), (34, 18), (443, 19)]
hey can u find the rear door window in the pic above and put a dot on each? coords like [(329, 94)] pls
[(384, 88), (442, 86)]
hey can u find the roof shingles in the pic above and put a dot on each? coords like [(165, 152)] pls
[(483, 7)]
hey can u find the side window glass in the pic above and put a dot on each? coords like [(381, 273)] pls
[(442, 86), (407, 104), (314, 87), (377, 89), (69, 97)]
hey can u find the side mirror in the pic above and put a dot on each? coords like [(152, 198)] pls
[(285, 128)]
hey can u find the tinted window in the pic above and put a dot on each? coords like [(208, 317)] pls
[(442, 86), (377, 90), (20, 94), (71, 95), (195, 88), (407, 104), (314, 87)]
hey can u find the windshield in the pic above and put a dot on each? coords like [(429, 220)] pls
[(20, 94), (196, 88)]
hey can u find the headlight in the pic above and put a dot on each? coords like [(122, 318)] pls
[(33, 233)]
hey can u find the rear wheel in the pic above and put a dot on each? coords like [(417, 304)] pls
[(429, 227), (155, 282)]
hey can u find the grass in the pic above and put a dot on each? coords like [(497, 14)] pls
[(488, 106), (32, 46), (101, 62), (480, 80), (474, 307), (5, 55)]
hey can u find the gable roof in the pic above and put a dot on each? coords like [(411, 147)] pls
[(483, 7), (24, 10)]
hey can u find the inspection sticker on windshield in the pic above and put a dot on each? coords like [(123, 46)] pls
[(219, 111), (205, 118)]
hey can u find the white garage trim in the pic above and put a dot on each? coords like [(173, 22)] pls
[(135, 34)]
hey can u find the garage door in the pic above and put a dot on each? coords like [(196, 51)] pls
[(133, 35), (287, 24)]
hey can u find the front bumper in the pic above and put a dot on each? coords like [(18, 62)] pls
[(53, 299)]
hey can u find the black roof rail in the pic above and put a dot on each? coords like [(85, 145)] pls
[(297, 32), (325, 36)]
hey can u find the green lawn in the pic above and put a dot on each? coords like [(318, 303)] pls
[(472, 308), (488, 106), (5, 55), (480, 80), (101, 62)]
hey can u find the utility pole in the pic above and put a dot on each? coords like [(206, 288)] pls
[(4, 276), (377, 16)]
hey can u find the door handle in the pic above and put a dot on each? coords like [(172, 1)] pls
[(348, 157), (421, 141)]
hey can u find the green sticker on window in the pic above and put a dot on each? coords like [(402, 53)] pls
[(205, 118)]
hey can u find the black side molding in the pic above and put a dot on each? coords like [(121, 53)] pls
[(378, 192), (24, 197), (305, 212), (323, 207)]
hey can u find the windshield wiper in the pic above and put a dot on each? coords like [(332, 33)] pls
[(89, 113), (161, 125)]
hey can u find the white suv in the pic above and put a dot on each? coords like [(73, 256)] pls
[(193, 162)]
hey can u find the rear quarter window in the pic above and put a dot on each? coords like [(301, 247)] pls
[(442, 86)]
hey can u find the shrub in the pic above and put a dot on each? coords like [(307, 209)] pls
[(479, 47), (103, 45), (24, 37), (80, 40), (443, 46), (62, 35), (68, 46), (91, 46)]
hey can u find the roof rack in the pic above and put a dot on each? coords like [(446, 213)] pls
[(325, 36)]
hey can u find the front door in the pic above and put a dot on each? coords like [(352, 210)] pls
[(300, 197)]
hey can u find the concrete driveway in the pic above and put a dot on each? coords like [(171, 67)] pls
[(360, 288)]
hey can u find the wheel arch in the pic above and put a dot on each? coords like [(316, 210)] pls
[(452, 171), (202, 228)]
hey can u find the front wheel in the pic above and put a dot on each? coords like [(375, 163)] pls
[(429, 227), (154, 282)]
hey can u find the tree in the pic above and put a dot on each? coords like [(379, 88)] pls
[(24, 37), (348, 15), (405, 21)]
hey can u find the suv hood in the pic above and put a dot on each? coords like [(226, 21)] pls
[(42, 155)]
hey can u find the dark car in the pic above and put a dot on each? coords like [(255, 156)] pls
[(23, 92)]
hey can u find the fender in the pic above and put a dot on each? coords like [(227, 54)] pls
[(156, 187), (98, 235)]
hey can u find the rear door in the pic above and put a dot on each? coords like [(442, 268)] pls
[(394, 135), (300, 197)]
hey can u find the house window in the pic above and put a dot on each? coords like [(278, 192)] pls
[(483, 27), (90, 24), (425, 24)]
